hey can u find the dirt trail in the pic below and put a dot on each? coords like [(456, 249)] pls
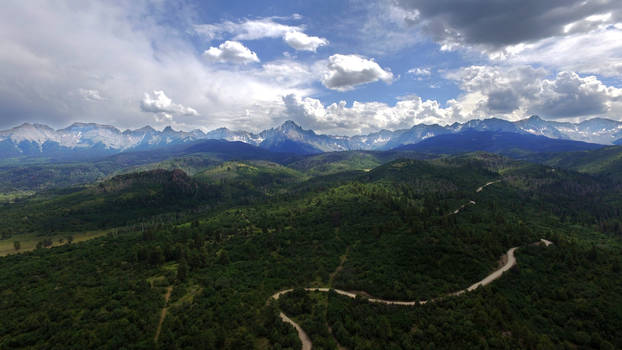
[(510, 261), (546, 242), (486, 185), (479, 189), (167, 296), (461, 207), (304, 338), (342, 261)]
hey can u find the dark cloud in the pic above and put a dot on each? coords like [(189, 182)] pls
[(499, 23), (503, 101)]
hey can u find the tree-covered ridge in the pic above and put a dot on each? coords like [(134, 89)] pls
[(606, 162), (560, 297)]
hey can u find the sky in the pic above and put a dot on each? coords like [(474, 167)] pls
[(338, 67)]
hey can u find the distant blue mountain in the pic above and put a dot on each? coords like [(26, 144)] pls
[(231, 150), (507, 143)]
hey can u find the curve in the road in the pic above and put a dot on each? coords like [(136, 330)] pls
[(510, 261), (509, 258)]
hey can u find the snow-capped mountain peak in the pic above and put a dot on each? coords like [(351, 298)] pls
[(37, 139), (27, 132)]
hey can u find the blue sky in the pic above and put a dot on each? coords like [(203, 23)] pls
[(339, 67)]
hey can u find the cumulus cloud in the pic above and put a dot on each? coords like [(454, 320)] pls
[(514, 92), (262, 28), (231, 52), (304, 42), (344, 72), (361, 117), (569, 95), (162, 105)]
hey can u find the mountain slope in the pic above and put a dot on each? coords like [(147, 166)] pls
[(290, 137), (537, 126), (606, 161), (506, 143)]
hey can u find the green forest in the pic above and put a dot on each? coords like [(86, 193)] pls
[(90, 264)]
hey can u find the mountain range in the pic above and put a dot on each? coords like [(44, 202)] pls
[(90, 139)]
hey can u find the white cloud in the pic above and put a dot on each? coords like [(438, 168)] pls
[(344, 72), (362, 118), (161, 104), (420, 71), (90, 94), (600, 52), (231, 52), (304, 42), (262, 28), (488, 91), (246, 30)]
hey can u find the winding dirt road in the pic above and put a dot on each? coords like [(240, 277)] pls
[(509, 258), (306, 341)]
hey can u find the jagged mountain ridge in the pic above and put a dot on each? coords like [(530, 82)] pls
[(86, 139), (95, 139)]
